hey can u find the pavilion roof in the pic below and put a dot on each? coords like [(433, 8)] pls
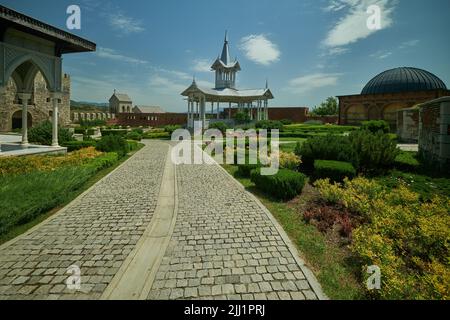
[(229, 94), (67, 42)]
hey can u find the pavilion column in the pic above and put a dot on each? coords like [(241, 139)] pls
[(203, 111), (212, 109), (196, 117), (189, 113), (229, 110), (24, 97), (266, 102), (218, 110), (55, 96)]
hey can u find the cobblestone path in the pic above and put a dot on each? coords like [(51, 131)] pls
[(97, 231), (225, 246)]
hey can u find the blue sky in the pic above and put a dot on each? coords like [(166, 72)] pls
[(308, 50)]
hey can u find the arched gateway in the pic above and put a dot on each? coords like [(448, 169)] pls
[(29, 47)]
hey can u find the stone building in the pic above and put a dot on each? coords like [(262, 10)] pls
[(434, 133), (40, 107), (389, 92), (32, 85), (120, 103)]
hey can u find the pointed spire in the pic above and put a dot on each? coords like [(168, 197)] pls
[(193, 81), (225, 57), (267, 83)]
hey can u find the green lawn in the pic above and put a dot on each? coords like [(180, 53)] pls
[(330, 262)]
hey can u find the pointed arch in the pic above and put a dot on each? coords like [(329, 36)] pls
[(28, 78)]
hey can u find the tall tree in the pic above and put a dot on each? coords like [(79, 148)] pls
[(327, 108)]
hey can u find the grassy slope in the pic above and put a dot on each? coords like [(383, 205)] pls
[(327, 260)]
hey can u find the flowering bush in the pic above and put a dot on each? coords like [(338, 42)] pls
[(289, 160), (19, 165), (408, 239)]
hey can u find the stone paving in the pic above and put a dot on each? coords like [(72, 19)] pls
[(96, 232), (224, 246)]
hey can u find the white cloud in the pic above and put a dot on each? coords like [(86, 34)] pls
[(382, 54), (259, 49), (124, 24), (409, 44), (311, 82), (165, 85), (353, 25), (202, 65), (114, 55)]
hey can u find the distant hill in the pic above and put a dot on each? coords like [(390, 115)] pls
[(88, 106)]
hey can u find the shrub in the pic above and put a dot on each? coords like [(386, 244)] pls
[(244, 170), (92, 123), (221, 126), (375, 151), (20, 165), (334, 170), (407, 161), (132, 145), (338, 148), (133, 135), (288, 160), (242, 117), (156, 135), (405, 237), (171, 128), (77, 145), (114, 132), (42, 134), (286, 122), (269, 125), (113, 143), (105, 161), (284, 185), (138, 131), (375, 126)]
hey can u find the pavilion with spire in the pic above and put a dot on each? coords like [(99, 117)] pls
[(252, 101)]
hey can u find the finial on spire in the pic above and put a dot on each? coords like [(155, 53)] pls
[(226, 35), (267, 83), (193, 80), (114, 91)]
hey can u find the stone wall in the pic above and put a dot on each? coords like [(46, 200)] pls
[(41, 106), (408, 125), (434, 133), (80, 116)]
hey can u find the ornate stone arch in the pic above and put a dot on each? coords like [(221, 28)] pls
[(35, 65)]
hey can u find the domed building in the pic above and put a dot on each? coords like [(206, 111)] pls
[(389, 92)]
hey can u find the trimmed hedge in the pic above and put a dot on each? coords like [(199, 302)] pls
[(114, 132), (42, 134), (285, 185), (406, 161), (244, 170), (77, 145), (334, 170), (376, 125), (113, 143)]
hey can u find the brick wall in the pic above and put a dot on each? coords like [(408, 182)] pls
[(150, 119)]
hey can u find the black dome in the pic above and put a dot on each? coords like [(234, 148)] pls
[(403, 80)]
